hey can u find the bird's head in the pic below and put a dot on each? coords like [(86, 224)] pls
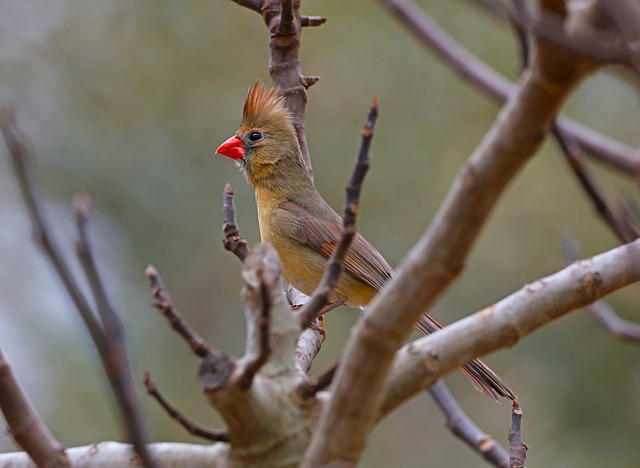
[(265, 145)]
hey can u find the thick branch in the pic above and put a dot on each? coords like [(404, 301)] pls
[(116, 454), (420, 363), (440, 254), (471, 68), (25, 425)]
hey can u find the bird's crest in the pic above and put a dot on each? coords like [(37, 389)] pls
[(261, 105)]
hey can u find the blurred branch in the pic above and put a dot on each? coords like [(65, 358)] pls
[(439, 256), (191, 426), (25, 426), (107, 337), (309, 388), (600, 310), (419, 364), (335, 265), (232, 241), (465, 429), (472, 69), (115, 358), (517, 448)]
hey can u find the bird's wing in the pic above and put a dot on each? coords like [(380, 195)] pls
[(362, 259)]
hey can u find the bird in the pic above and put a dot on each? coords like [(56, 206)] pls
[(296, 220)]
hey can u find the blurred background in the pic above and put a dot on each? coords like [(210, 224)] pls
[(128, 100)]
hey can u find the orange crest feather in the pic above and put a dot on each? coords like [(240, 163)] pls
[(261, 104)]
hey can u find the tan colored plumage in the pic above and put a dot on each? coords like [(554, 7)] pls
[(302, 227)]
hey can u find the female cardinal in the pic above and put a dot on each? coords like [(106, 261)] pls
[(302, 227)]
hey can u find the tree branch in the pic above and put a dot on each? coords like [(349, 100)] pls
[(25, 426), (599, 310), (440, 254), (419, 364), (335, 265), (115, 357), (517, 448), (465, 429), (470, 68), (106, 336), (191, 426), (164, 304), (233, 241)]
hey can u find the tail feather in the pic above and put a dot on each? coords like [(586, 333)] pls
[(480, 375)]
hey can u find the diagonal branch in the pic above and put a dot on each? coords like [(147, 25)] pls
[(164, 304), (335, 265), (472, 69), (191, 426), (465, 429), (420, 363), (110, 345), (439, 256), (115, 358), (25, 425)]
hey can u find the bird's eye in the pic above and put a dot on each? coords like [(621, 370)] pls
[(255, 136)]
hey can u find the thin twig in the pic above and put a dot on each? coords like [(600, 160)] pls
[(334, 266), (232, 241), (23, 165), (101, 337), (465, 429), (600, 310), (309, 388), (255, 364), (164, 304), (617, 222), (312, 21), (25, 426), (115, 357), (254, 5), (192, 427), (517, 448), (472, 69)]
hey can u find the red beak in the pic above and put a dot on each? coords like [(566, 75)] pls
[(232, 148)]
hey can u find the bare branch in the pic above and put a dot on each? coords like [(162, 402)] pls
[(465, 429), (191, 426), (23, 165), (440, 254), (471, 68), (164, 304), (617, 222), (254, 364), (420, 363), (600, 310), (232, 241), (255, 5), (25, 425), (286, 25), (335, 265), (517, 448), (105, 336), (114, 354), (312, 21), (309, 388)]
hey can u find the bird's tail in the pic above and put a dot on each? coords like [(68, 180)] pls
[(480, 375)]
